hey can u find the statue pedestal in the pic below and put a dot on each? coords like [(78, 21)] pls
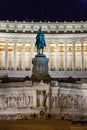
[(40, 68)]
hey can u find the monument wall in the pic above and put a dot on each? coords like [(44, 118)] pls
[(69, 99), (55, 98)]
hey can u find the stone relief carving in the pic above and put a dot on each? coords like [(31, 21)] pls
[(47, 100), (41, 98), (84, 85), (54, 83), (59, 99), (16, 101), (66, 101)]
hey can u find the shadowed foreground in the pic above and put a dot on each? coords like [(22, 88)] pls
[(40, 125)]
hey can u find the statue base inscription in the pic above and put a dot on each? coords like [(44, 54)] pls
[(40, 68)]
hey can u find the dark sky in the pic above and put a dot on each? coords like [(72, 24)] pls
[(44, 10)]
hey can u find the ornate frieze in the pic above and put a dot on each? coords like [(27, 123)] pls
[(48, 27), (56, 97)]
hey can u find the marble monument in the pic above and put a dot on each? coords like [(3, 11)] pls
[(40, 62), (29, 97)]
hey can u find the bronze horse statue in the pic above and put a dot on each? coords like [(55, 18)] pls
[(40, 41)]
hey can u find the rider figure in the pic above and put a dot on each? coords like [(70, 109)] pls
[(40, 41)]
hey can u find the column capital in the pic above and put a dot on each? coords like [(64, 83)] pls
[(23, 41), (73, 41), (14, 41), (6, 41), (65, 41), (81, 40)]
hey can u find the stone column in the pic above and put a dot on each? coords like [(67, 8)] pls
[(15, 52), (6, 56), (74, 60), (57, 56), (31, 53), (82, 54), (34, 104), (47, 101), (65, 56), (23, 56), (49, 55)]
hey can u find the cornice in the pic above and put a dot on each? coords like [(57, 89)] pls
[(47, 27)]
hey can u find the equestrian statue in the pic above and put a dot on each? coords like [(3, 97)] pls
[(40, 41)]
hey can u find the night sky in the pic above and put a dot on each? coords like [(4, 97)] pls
[(43, 10)]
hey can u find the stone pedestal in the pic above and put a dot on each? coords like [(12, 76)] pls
[(40, 68)]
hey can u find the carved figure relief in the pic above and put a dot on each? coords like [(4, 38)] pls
[(16, 101), (41, 98)]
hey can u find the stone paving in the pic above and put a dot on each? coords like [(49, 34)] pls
[(40, 125)]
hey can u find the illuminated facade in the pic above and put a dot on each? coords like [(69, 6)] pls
[(66, 48)]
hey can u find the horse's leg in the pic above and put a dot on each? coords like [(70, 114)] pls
[(42, 50), (38, 51)]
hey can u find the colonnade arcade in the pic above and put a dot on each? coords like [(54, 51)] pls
[(63, 56)]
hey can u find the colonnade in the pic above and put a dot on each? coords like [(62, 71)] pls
[(63, 56)]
